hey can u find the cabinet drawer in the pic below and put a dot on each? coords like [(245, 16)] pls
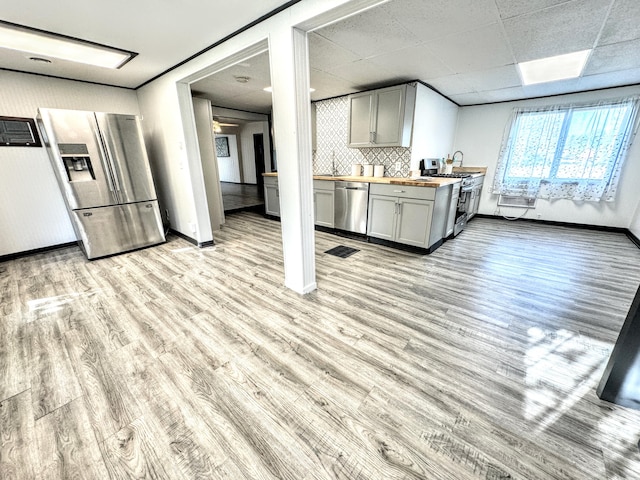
[(328, 185), (403, 191)]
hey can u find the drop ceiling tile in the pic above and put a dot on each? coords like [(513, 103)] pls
[(479, 49), (324, 54), (369, 33), (436, 18), (504, 94), (619, 56), (494, 78), (416, 62), (450, 85), (328, 85), (551, 88), (623, 22), (364, 75), (468, 98), (565, 28), (513, 8), (609, 79)]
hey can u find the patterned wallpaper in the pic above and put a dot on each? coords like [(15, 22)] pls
[(332, 117)]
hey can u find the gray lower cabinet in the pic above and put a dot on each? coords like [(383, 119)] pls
[(453, 197), (323, 203), (402, 214), (474, 197), (271, 196)]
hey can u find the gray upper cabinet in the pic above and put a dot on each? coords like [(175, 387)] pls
[(382, 118)]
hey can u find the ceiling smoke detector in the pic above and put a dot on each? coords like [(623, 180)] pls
[(241, 79)]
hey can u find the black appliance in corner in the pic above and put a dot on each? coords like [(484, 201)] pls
[(429, 166)]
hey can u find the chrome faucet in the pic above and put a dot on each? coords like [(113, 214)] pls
[(461, 156)]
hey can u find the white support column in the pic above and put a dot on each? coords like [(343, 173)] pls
[(289, 56)]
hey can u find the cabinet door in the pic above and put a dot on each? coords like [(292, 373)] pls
[(323, 202), (382, 217), (272, 200), (389, 116), (453, 208), (474, 202), (414, 222), (476, 205), (361, 110)]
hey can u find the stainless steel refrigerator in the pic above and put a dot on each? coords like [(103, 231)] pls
[(102, 167)]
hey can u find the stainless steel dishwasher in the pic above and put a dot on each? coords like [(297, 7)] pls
[(351, 203)]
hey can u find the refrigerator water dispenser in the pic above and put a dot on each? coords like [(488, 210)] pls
[(79, 169), (77, 162)]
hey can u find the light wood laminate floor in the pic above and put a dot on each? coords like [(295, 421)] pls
[(479, 361), (240, 196)]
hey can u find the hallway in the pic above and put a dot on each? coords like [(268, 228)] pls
[(240, 196)]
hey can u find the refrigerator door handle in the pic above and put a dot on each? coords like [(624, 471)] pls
[(112, 180)]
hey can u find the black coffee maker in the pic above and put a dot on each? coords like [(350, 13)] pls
[(428, 166)]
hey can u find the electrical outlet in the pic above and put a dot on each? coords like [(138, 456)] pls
[(166, 213), (539, 215), (398, 166)]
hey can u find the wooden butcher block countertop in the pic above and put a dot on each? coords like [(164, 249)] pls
[(434, 182)]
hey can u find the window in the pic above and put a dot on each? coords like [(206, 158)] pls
[(574, 152)]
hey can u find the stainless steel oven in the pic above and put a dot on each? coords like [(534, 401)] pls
[(466, 186)]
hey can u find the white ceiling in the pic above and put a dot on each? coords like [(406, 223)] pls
[(466, 49), (162, 32)]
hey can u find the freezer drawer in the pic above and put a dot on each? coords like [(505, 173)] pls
[(109, 230)]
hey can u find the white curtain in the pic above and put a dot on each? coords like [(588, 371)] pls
[(566, 151)]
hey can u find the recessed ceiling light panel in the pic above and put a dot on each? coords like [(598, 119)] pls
[(47, 44), (551, 69)]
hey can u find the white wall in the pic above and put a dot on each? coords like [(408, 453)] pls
[(159, 101), (202, 112), (229, 167), (434, 126), (32, 210), (479, 135), (635, 223)]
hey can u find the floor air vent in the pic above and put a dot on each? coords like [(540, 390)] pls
[(342, 251), (522, 202)]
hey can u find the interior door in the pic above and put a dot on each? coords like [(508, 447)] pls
[(122, 137), (258, 152), (77, 157)]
